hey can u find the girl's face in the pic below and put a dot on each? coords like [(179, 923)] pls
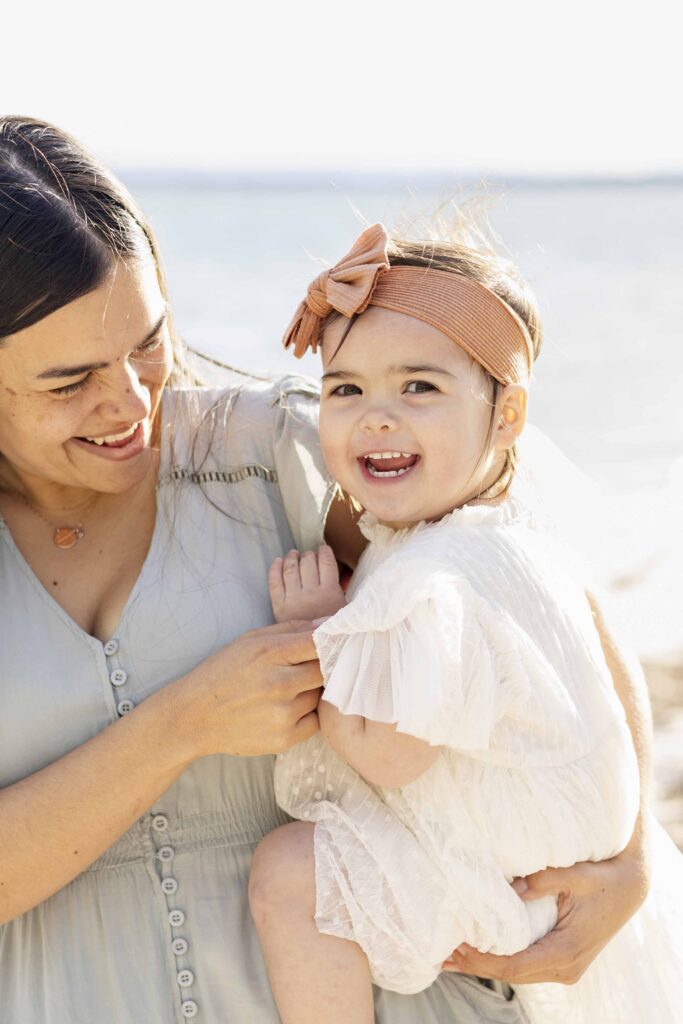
[(405, 416), (93, 371)]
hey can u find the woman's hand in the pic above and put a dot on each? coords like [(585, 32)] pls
[(594, 902), (258, 695)]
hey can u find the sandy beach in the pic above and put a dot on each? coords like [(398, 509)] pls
[(665, 682)]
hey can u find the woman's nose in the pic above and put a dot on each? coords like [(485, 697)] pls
[(127, 398)]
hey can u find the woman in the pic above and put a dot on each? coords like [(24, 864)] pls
[(143, 688)]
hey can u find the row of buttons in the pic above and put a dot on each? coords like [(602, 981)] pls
[(118, 676), (176, 918)]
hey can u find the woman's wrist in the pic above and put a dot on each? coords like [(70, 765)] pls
[(176, 729)]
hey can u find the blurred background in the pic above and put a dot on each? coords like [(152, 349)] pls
[(258, 140)]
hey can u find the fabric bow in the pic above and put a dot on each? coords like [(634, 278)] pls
[(346, 287)]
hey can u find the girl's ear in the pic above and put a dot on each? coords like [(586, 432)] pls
[(511, 415)]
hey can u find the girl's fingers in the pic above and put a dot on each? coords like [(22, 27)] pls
[(328, 569), (276, 586), (308, 567), (291, 573)]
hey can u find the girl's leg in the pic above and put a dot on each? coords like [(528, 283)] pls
[(315, 978)]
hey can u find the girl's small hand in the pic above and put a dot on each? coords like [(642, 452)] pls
[(305, 586), (594, 902)]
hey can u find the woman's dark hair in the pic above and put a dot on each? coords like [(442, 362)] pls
[(64, 222)]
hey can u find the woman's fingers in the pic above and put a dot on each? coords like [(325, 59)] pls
[(306, 727), (549, 959), (293, 648), (550, 882)]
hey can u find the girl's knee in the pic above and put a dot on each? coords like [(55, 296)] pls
[(282, 871)]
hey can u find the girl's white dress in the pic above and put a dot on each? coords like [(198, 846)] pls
[(474, 634)]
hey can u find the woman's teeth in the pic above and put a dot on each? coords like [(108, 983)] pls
[(113, 438)]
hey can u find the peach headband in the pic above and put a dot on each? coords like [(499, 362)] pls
[(466, 311)]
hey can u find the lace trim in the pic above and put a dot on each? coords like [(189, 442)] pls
[(233, 476)]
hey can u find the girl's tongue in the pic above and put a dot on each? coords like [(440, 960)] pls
[(390, 463)]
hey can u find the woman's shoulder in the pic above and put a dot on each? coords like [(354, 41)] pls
[(240, 397), (244, 416)]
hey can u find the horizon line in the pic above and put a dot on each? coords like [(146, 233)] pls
[(292, 178)]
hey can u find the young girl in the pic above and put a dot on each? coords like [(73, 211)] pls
[(470, 733)]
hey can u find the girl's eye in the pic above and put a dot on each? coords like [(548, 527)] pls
[(346, 390), (70, 389), (417, 387)]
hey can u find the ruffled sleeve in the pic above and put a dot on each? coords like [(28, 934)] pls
[(305, 487), (418, 647)]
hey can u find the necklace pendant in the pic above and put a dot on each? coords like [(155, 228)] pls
[(66, 536)]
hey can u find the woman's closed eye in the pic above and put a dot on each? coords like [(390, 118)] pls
[(66, 390)]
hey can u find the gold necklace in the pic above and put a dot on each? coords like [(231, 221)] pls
[(63, 537)]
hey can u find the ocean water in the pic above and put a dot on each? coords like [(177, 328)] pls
[(606, 263)]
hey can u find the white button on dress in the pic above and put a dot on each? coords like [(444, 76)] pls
[(111, 647), (118, 677), (185, 978), (165, 853), (189, 1008), (176, 918), (169, 886), (180, 946), (159, 822), (124, 706)]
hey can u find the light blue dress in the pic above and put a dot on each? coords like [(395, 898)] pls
[(158, 930)]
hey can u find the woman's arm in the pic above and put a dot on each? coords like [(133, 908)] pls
[(594, 900), (256, 696)]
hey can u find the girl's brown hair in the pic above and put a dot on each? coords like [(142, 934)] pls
[(500, 276)]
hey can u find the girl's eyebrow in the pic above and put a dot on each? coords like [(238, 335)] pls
[(338, 375), (396, 370), (75, 371), (425, 368)]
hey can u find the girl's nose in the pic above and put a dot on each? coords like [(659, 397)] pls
[(378, 419)]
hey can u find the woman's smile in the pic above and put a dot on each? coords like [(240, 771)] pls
[(117, 447)]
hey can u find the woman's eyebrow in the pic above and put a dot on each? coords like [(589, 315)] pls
[(57, 372)]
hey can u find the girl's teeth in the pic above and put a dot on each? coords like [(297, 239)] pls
[(389, 455), (387, 472)]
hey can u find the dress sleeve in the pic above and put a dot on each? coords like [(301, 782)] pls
[(417, 647), (305, 487)]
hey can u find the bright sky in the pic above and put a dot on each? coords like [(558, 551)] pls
[(490, 86)]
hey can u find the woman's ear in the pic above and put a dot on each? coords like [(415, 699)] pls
[(510, 416)]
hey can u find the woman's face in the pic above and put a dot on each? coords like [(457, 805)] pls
[(79, 390)]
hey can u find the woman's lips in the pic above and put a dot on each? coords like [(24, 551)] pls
[(118, 451)]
